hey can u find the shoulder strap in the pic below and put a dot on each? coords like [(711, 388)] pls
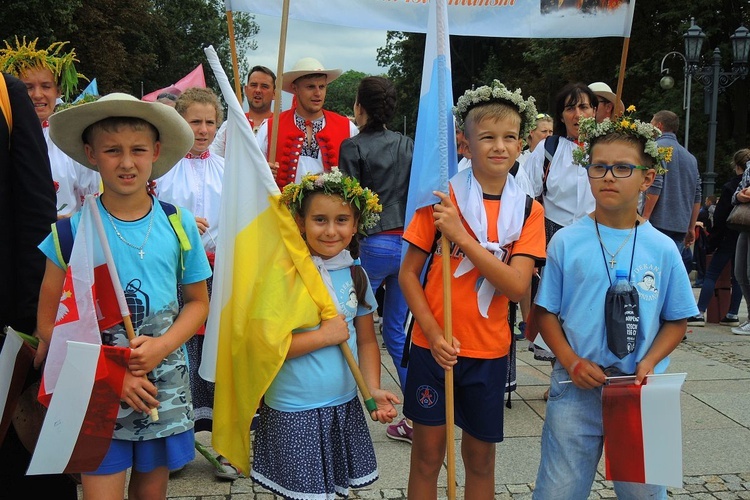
[(62, 235), (175, 220), (550, 146), (5, 104)]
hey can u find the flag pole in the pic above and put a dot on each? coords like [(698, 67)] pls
[(279, 81), (119, 293), (370, 403), (233, 47), (449, 408), (621, 77)]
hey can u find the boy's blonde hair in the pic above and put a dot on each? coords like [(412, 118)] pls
[(494, 110), (199, 95)]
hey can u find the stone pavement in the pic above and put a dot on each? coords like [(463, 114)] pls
[(715, 426)]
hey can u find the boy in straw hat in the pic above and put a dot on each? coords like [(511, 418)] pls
[(129, 142), (49, 74), (309, 136)]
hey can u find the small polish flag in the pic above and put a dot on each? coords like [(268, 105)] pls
[(643, 431), (77, 429)]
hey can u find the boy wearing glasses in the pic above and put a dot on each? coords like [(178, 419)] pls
[(621, 160)]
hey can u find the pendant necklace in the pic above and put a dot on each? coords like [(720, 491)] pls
[(612, 261), (141, 253)]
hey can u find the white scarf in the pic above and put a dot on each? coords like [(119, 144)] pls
[(340, 261), (510, 221)]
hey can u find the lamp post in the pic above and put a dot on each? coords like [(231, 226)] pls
[(714, 81), (667, 82)]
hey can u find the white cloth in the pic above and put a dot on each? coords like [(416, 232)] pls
[(307, 164), (568, 195), (469, 198), (196, 185), (72, 180), (219, 146), (340, 261)]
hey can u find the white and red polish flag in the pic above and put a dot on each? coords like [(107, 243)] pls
[(643, 430), (80, 420), (88, 303)]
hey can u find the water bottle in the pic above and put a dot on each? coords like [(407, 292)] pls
[(621, 315), (621, 283)]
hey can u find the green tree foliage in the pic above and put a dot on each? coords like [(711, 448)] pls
[(134, 46), (342, 92), (542, 66)]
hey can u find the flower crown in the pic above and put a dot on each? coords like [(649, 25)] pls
[(25, 56), (625, 124), (497, 92), (334, 182)]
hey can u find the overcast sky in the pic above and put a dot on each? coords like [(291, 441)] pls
[(333, 46)]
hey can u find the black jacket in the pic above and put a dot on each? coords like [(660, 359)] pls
[(27, 205), (381, 161), (720, 235)]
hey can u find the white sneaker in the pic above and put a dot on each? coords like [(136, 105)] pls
[(743, 329)]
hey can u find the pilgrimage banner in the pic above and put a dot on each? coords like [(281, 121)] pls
[(492, 18)]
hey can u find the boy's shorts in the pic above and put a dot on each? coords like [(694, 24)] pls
[(479, 393), (172, 452)]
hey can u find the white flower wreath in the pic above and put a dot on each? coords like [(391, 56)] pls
[(497, 92)]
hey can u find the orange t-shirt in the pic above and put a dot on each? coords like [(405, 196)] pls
[(482, 338)]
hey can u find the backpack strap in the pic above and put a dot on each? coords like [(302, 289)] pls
[(174, 215), (5, 104), (62, 235), (550, 147)]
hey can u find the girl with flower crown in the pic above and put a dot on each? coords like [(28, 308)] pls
[(50, 74), (312, 439)]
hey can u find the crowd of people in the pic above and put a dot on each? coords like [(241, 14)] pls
[(538, 197)]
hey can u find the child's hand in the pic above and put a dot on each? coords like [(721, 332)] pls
[(41, 352), (586, 374), (202, 224), (446, 218), (139, 393), (643, 368), (335, 330), (274, 168), (386, 412), (446, 355), (146, 353)]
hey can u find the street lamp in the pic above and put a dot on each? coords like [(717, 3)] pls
[(715, 81), (667, 82)]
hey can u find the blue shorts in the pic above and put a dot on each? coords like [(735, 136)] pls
[(479, 393), (172, 452)]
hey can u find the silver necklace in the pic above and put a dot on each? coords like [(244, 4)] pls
[(612, 261), (141, 253)]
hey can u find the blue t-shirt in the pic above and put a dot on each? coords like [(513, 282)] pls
[(322, 378), (150, 287), (574, 284)]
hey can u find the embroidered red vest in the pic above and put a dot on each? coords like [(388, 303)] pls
[(290, 139)]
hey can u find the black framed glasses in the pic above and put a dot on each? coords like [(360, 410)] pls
[(619, 170)]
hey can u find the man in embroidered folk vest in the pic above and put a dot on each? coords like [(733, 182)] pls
[(309, 136)]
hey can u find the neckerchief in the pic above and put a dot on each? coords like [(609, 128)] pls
[(510, 221), (340, 261)]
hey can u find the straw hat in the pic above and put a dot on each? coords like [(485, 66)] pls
[(601, 89), (307, 66), (175, 135)]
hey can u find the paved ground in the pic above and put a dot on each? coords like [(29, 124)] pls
[(715, 425)]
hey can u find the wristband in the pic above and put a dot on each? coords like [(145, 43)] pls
[(576, 367)]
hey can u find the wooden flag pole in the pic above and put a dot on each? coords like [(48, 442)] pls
[(279, 81), (450, 440), (623, 64), (121, 302), (370, 403), (235, 65)]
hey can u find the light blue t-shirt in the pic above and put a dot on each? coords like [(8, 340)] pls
[(150, 287), (322, 378), (574, 284)]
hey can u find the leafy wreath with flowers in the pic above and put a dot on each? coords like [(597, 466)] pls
[(625, 124), (25, 56), (497, 92), (334, 182)]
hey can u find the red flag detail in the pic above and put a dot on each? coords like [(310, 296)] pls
[(67, 311), (107, 309), (195, 78), (623, 432)]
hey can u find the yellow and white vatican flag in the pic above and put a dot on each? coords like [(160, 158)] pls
[(265, 286)]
